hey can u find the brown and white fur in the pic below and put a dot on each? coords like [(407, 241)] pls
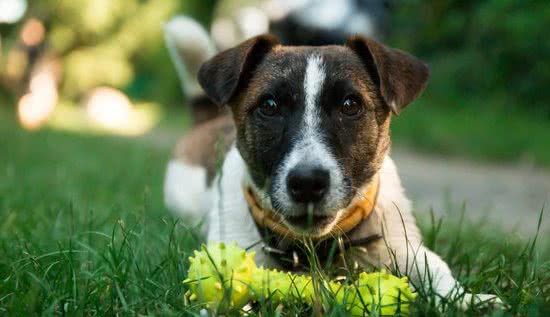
[(306, 119)]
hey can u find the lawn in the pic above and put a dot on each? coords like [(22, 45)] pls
[(84, 232)]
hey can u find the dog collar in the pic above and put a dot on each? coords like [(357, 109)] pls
[(359, 209)]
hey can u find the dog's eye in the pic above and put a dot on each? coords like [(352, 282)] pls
[(351, 107), (269, 107)]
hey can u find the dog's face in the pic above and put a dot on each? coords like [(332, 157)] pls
[(312, 122)]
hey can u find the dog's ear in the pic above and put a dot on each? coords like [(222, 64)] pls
[(401, 77), (221, 76)]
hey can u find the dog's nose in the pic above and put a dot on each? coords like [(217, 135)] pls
[(308, 184)]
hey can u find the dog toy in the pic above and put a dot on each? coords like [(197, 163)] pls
[(282, 286), (220, 271), (380, 292)]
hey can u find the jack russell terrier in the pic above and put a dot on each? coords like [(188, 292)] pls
[(303, 151)]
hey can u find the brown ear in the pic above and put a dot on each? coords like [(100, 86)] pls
[(221, 76), (400, 76)]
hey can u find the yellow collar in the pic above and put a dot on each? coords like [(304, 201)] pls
[(358, 210)]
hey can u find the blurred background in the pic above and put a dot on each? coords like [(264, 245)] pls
[(479, 135)]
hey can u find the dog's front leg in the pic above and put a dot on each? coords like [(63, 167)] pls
[(409, 256), (426, 269), (229, 219)]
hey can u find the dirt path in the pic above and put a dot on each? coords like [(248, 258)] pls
[(511, 195)]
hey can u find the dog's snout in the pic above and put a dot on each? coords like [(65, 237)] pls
[(308, 184)]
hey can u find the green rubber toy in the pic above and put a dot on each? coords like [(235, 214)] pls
[(220, 271)]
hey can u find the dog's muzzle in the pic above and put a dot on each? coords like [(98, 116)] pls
[(358, 210)]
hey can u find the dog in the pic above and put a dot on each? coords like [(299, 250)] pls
[(302, 150)]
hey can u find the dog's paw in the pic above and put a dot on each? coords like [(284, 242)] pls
[(481, 300)]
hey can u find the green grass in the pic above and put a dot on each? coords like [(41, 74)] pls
[(84, 232)]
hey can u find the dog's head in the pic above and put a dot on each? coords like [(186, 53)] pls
[(312, 122)]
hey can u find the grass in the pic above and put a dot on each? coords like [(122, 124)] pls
[(84, 232)]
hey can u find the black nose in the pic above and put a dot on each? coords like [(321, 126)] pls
[(308, 184)]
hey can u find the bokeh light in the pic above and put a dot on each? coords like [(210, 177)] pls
[(109, 107), (35, 107), (100, 48), (33, 32), (12, 11), (106, 110), (29, 112)]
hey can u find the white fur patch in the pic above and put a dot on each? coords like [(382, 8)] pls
[(185, 191), (313, 83), (309, 148), (229, 218)]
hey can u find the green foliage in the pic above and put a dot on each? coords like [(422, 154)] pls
[(118, 43), (482, 48), (109, 42), (202, 10)]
